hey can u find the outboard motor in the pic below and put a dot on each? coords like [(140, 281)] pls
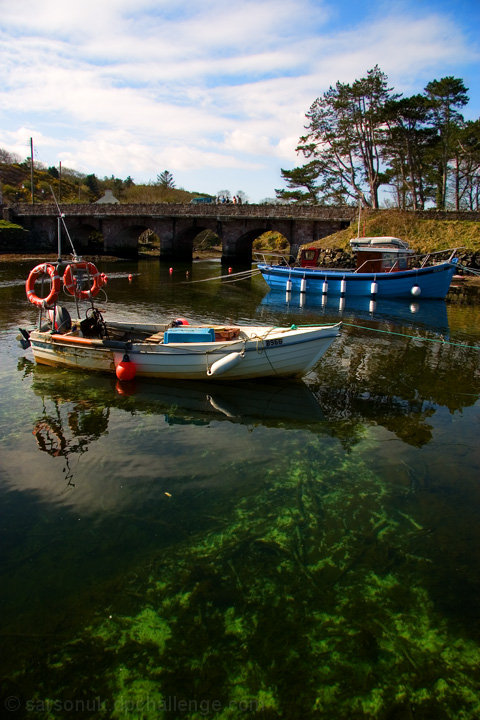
[(60, 319)]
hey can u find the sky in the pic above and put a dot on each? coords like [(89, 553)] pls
[(215, 92)]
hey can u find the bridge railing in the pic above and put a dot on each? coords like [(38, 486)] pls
[(220, 210)]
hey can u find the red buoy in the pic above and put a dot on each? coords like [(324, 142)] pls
[(125, 369)]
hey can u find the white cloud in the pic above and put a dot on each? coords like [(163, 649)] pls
[(122, 89)]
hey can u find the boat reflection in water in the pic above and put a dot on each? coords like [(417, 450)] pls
[(82, 412), (270, 403), (431, 314)]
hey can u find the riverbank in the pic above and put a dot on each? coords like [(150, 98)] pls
[(466, 280)]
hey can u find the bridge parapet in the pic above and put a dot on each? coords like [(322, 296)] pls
[(209, 210), (219, 210)]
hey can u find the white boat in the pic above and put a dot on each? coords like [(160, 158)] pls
[(165, 350)]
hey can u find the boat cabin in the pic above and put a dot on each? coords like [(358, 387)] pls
[(309, 257), (373, 254), (381, 254)]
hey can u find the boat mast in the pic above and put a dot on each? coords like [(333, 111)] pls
[(61, 219)]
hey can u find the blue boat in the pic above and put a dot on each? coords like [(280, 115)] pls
[(385, 269)]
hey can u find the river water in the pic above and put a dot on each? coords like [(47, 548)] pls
[(260, 549)]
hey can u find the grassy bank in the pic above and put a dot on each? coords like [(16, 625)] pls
[(423, 235)]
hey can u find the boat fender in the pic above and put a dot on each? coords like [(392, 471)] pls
[(125, 369), (416, 290), (343, 287), (227, 362), (374, 288), (51, 299), (289, 285), (325, 287), (220, 407), (303, 285)]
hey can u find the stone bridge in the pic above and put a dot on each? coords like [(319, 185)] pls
[(116, 228)]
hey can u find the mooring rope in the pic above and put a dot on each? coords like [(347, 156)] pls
[(468, 269), (243, 275), (392, 332), (413, 337)]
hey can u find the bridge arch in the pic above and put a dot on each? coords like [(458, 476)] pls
[(244, 243), (86, 237), (187, 233), (125, 239)]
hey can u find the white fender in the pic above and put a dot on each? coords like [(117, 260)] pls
[(225, 363)]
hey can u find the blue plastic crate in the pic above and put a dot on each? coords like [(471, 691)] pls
[(189, 335)]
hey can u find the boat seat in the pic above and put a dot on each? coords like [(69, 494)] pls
[(226, 333), (155, 338)]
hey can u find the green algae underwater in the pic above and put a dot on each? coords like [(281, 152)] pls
[(245, 552)]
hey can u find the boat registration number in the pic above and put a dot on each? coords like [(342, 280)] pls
[(272, 343)]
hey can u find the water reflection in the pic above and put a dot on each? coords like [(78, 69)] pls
[(431, 314), (62, 434), (398, 383), (312, 546)]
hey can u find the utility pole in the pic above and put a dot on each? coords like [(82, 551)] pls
[(31, 169), (60, 181)]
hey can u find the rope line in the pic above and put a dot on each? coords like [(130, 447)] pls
[(412, 337), (244, 274)]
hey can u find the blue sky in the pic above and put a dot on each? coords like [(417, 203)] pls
[(214, 91)]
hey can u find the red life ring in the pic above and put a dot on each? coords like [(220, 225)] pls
[(70, 281), (45, 269)]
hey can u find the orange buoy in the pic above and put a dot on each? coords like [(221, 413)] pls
[(70, 281), (126, 369), (130, 278), (51, 271)]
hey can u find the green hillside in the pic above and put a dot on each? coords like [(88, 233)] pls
[(76, 187)]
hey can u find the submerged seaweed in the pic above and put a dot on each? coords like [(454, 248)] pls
[(327, 568), (317, 606)]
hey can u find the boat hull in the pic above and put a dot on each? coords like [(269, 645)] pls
[(428, 282), (265, 352)]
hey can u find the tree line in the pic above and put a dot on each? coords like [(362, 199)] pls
[(363, 138)]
